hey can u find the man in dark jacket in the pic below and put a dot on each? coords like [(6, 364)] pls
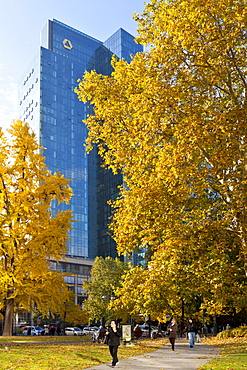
[(191, 331), (113, 340)]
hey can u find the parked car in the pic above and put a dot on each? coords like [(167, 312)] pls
[(33, 330), (23, 327), (82, 326), (73, 331), (145, 331), (89, 330)]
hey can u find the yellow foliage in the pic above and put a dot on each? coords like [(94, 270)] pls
[(30, 233), (173, 121)]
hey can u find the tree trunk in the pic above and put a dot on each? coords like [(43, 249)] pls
[(7, 331), (243, 245), (215, 325)]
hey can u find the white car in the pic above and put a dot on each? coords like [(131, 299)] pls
[(89, 330), (33, 330), (145, 331), (73, 331)]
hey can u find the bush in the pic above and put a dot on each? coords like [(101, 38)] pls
[(241, 331)]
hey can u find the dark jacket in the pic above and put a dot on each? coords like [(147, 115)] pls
[(191, 327), (172, 328), (113, 337)]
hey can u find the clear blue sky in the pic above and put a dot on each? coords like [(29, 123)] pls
[(22, 20)]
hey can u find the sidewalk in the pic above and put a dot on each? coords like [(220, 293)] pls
[(183, 358)]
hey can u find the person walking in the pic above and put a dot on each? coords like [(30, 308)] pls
[(137, 331), (113, 335), (46, 329), (172, 328), (191, 330), (101, 334)]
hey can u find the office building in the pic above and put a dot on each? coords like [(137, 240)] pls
[(48, 103)]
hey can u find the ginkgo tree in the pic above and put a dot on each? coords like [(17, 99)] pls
[(30, 231), (173, 120)]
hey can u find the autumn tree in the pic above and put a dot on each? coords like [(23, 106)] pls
[(184, 280), (106, 275), (31, 233), (174, 122), (70, 312)]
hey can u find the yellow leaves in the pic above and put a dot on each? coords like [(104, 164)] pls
[(29, 233), (173, 121)]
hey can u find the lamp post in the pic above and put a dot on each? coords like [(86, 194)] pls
[(108, 299)]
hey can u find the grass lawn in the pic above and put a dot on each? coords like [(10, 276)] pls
[(233, 354), (40, 339), (73, 353), (20, 353)]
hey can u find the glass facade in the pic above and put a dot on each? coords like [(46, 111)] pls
[(122, 44), (48, 103)]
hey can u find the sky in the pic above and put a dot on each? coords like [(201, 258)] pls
[(21, 22)]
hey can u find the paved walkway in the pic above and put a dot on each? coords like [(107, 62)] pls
[(183, 358)]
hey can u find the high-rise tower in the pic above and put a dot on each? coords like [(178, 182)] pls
[(48, 103)]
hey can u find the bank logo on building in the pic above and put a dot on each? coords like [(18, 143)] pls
[(67, 44)]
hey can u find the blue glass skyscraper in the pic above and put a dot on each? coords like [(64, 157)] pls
[(48, 103)]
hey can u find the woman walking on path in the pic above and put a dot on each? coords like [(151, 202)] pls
[(172, 328), (113, 335)]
